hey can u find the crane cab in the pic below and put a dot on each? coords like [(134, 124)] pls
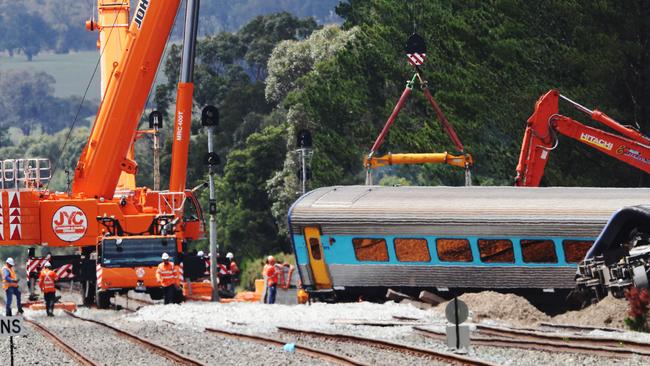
[(125, 263)]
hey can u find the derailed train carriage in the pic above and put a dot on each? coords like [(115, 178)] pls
[(353, 241)]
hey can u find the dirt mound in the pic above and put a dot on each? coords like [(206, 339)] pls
[(609, 312), (508, 308)]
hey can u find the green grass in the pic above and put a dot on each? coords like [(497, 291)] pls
[(71, 71)]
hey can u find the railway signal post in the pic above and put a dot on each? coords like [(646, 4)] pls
[(457, 334), (210, 120)]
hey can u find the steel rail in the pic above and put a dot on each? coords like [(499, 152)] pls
[(77, 355), (580, 328), (400, 347), (314, 352), (534, 345), (161, 350), (611, 344)]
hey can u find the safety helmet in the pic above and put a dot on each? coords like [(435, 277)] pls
[(10, 261), (200, 253), (165, 256), (230, 255), (47, 265), (270, 259)]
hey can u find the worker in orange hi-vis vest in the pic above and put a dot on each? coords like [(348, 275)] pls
[(167, 275), (46, 281), (233, 271), (271, 276), (10, 285)]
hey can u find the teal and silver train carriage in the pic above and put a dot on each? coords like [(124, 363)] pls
[(352, 241)]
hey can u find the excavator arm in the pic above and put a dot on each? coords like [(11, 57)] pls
[(543, 126)]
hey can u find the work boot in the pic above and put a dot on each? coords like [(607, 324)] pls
[(8, 312), (20, 311)]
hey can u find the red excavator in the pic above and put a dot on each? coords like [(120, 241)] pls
[(546, 123)]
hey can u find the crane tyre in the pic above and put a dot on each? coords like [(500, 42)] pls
[(103, 299), (88, 293)]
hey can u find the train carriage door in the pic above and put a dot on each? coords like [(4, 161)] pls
[(316, 258)]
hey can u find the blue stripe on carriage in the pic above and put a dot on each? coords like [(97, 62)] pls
[(341, 251)]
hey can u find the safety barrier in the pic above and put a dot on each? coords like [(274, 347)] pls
[(32, 173)]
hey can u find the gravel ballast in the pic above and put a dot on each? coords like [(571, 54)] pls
[(210, 348), (34, 349), (98, 343)]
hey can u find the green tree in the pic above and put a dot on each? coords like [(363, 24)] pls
[(246, 224)]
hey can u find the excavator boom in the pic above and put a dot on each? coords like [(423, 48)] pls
[(543, 126)]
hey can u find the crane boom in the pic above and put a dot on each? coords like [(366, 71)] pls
[(105, 155), (185, 90)]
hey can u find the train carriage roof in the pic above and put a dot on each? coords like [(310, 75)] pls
[(512, 211)]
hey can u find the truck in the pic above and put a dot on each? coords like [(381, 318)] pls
[(118, 231)]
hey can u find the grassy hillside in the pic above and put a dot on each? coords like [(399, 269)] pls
[(71, 71)]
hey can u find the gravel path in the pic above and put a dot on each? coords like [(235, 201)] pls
[(98, 343), (34, 349), (206, 347)]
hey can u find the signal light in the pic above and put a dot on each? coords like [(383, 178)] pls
[(212, 159), (155, 120), (210, 116), (304, 139)]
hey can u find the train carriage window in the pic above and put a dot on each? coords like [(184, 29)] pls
[(314, 245), (496, 251), (575, 250), (454, 250), (412, 250), (370, 249), (538, 251)]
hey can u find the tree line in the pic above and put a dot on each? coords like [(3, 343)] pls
[(487, 63)]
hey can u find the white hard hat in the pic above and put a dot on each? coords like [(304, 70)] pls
[(47, 264), (230, 255), (165, 256), (10, 261), (200, 253)]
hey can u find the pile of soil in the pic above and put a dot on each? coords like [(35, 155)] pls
[(507, 308), (516, 310), (609, 312)]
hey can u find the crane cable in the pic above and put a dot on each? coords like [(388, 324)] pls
[(83, 99)]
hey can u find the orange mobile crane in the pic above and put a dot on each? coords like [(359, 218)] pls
[(120, 234), (546, 122)]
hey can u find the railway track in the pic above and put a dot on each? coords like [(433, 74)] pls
[(77, 355), (146, 343), (502, 337), (127, 301), (445, 357), (310, 351)]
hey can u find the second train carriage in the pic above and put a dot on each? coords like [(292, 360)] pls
[(352, 241)]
